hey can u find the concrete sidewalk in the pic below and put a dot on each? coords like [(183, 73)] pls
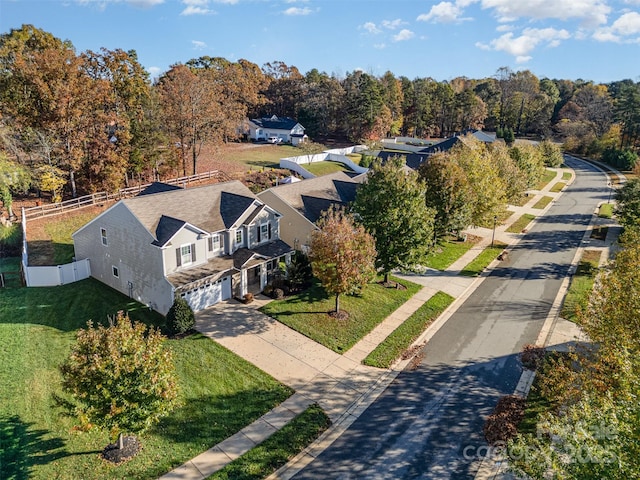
[(340, 384)]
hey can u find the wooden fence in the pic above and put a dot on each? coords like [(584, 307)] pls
[(51, 209)]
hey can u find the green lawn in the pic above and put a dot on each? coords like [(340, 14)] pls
[(606, 210), (547, 177), (260, 156), (307, 313), (446, 252), (402, 337), (221, 393), (60, 230), (566, 176), (581, 285), (264, 459), (520, 201), (478, 264), (324, 168), (10, 267), (521, 223), (543, 202), (557, 187)]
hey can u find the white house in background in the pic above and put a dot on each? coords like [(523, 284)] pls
[(206, 244), (286, 129)]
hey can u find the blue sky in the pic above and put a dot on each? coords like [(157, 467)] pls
[(595, 40)]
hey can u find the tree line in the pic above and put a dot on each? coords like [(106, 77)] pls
[(91, 121)]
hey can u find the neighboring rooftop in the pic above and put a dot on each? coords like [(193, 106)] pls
[(280, 123)]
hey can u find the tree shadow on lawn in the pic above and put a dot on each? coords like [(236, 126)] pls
[(22, 446)]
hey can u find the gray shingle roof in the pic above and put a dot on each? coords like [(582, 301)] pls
[(281, 123), (167, 228), (158, 187), (211, 208), (313, 196)]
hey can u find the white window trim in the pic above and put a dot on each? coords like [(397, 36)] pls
[(182, 254), (115, 271), (241, 234), (103, 237)]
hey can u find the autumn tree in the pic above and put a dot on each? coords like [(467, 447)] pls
[(342, 254), (447, 193), (121, 377), (628, 208), (14, 178), (551, 153), (391, 206)]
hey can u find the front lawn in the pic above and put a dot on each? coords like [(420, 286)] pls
[(264, 459), (521, 223), (221, 393), (478, 264), (402, 337), (577, 296), (448, 251), (325, 168), (307, 313)]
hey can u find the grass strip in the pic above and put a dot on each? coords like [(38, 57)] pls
[(520, 201), (264, 459), (446, 252), (307, 312), (521, 223), (546, 178), (566, 176), (605, 210), (478, 264), (402, 337), (557, 187), (581, 285), (543, 202)]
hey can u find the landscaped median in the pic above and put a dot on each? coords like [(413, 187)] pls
[(220, 392), (478, 264), (307, 312), (402, 337), (264, 459), (581, 285)]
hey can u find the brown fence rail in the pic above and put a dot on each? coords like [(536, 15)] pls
[(101, 197)]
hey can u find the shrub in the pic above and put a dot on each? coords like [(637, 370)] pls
[(502, 424), (268, 289), (180, 317), (532, 356), (277, 294), (299, 272)]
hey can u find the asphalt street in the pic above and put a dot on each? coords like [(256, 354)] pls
[(428, 423)]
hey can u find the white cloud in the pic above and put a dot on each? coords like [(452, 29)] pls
[(626, 25), (198, 45), (403, 35), (443, 12), (371, 28), (154, 71), (589, 12), (196, 7), (226, 2), (298, 11), (392, 24), (521, 46)]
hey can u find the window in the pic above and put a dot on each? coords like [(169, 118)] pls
[(238, 237), (115, 271), (185, 254), (264, 232), (103, 236), (215, 243)]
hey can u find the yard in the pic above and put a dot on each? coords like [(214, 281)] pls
[(448, 251), (221, 393), (307, 313), (324, 168)]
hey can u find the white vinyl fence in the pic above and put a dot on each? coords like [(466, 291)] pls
[(296, 164)]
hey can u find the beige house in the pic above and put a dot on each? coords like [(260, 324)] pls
[(301, 204), (206, 244)]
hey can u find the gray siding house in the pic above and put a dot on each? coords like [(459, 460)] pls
[(206, 244)]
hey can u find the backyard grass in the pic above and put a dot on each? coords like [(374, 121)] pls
[(260, 156), (264, 459), (543, 202), (307, 312), (324, 168), (521, 223), (446, 252), (557, 187), (478, 264), (581, 285), (10, 269), (566, 176), (220, 392), (546, 178), (606, 210), (402, 337)]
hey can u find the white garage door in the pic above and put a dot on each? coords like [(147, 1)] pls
[(209, 294)]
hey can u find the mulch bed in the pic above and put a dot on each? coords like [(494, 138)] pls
[(341, 315), (116, 455), (396, 285)]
